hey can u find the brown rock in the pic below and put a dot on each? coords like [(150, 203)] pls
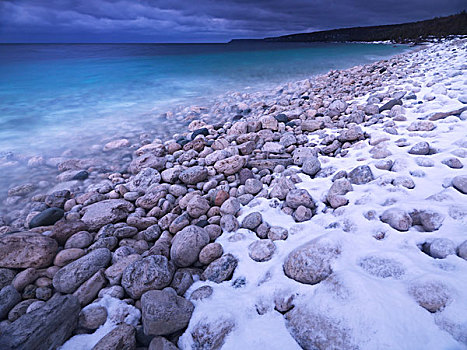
[(21, 250)]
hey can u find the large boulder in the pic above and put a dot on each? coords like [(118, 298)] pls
[(45, 328), (106, 212), (187, 245), (311, 262), (71, 276), (22, 250), (164, 312), (153, 272)]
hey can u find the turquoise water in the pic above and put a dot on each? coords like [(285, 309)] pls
[(54, 96)]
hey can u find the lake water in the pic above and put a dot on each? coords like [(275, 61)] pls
[(55, 96)]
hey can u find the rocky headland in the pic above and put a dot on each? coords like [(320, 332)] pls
[(329, 213)]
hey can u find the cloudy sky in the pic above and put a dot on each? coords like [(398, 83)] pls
[(199, 20)]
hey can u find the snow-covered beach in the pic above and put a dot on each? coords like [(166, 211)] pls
[(333, 215)]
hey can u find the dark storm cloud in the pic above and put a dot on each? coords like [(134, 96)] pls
[(199, 20)]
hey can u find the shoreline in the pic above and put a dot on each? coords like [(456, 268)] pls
[(44, 165), (337, 193)]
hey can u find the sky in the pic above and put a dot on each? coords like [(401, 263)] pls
[(41, 21)]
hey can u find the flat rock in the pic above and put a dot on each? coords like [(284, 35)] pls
[(273, 147), (106, 212), (71, 276), (164, 312), (421, 125), (45, 328), (453, 163), (22, 250)]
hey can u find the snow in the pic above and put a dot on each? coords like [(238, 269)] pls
[(117, 312), (371, 301)]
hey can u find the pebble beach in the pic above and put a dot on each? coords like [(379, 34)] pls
[(328, 213)]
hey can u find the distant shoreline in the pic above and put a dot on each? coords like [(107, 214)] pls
[(404, 33)]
